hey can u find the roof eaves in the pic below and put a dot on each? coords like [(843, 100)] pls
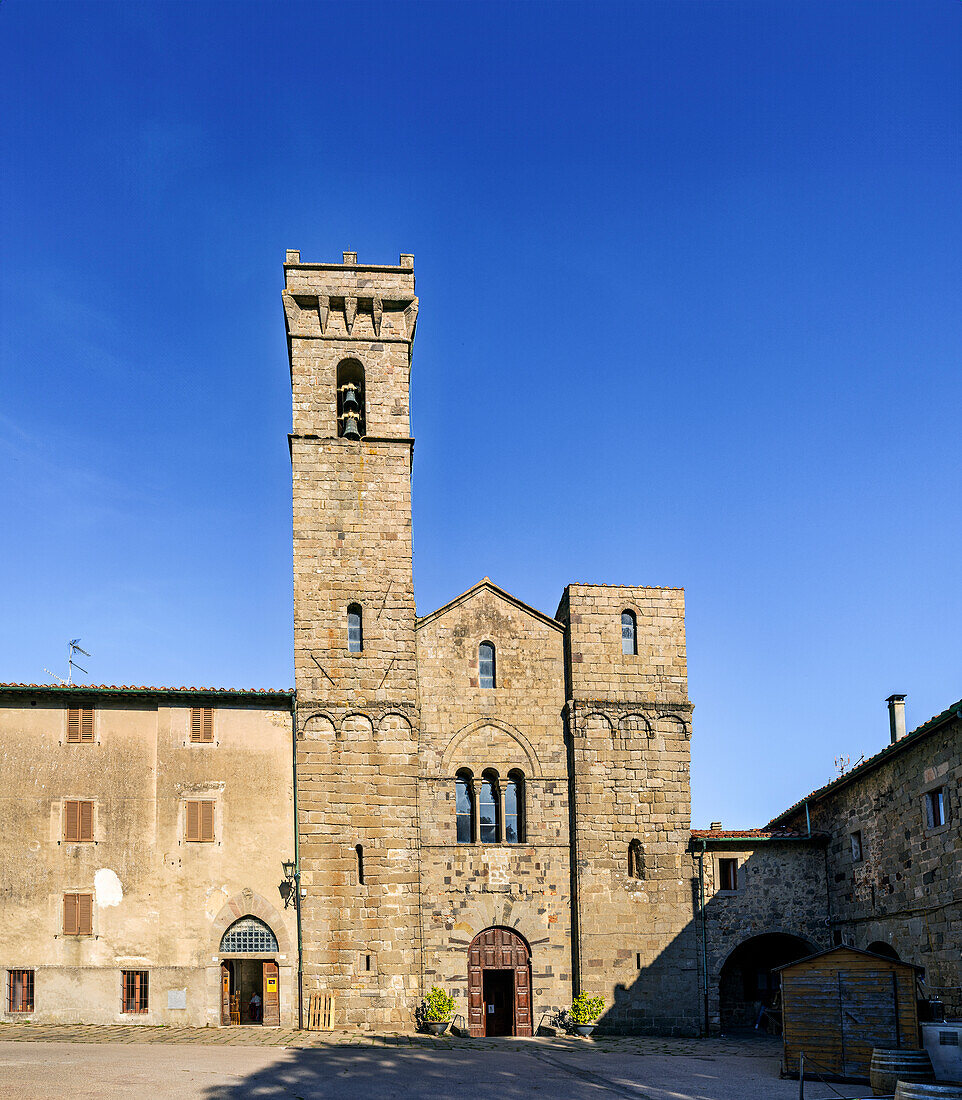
[(144, 690), (486, 582)]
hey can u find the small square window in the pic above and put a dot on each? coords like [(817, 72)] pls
[(78, 822), (202, 725), (78, 914), (935, 807), (80, 725), (19, 991), (134, 996), (728, 874), (200, 821), (857, 846)]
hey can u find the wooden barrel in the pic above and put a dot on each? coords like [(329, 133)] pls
[(891, 1066), (908, 1090)]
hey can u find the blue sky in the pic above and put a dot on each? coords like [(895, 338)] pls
[(690, 279)]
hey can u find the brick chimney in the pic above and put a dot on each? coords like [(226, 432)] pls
[(896, 717)]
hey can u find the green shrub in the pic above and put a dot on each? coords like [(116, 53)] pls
[(585, 1009), (438, 1006)]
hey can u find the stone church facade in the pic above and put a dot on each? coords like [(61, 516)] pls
[(486, 797)]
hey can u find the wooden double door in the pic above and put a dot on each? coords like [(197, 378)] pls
[(237, 992), (499, 984)]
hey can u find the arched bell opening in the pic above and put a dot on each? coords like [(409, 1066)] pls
[(350, 399)]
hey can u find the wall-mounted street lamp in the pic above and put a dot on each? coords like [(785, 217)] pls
[(291, 876)]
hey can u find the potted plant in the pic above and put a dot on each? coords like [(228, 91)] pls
[(584, 1011), (438, 1007)]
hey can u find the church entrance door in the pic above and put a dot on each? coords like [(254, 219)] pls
[(499, 984)]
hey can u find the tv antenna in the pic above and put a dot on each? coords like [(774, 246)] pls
[(73, 646)]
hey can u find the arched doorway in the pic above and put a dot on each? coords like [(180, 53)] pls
[(748, 982), (250, 991), (879, 947), (499, 984)]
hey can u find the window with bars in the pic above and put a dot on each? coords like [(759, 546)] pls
[(355, 628), (629, 633), (78, 914), (486, 670), (19, 991), (202, 725), (80, 725), (200, 821), (78, 821), (248, 936), (135, 987)]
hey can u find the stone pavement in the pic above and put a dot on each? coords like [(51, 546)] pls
[(751, 1045)]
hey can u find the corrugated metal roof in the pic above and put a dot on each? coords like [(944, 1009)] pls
[(954, 711)]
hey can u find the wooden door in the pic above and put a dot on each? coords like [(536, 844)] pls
[(272, 999), (224, 994), (497, 949), (868, 1004)]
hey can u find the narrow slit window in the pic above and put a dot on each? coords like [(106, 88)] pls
[(464, 807), (80, 725), (935, 807), (514, 808), (19, 991), (355, 628), (135, 987), (488, 807), (486, 670), (200, 822), (636, 860), (359, 852), (78, 914), (629, 633), (202, 725), (728, 874), (857, 846), (78, 822)]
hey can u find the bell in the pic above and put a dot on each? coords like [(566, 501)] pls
[(351, 428), (349, 402), (349, 394)]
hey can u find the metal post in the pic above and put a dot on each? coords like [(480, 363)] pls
[(801, 1075)]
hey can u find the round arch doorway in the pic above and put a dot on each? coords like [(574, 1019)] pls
[(748, 986), (249, 981), (499, 983)]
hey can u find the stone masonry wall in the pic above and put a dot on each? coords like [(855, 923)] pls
[(629, 724), (906, 891), (517, 725), (357, 712)]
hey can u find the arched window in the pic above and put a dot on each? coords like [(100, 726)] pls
[(636, 860), (489, 808), (629, 632), (359, 852), (486, 671), (464, 806), (248, 936), (350, 399), (514, 808), (355, 628)]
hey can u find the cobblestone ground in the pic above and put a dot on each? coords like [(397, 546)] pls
[(762, 1046)]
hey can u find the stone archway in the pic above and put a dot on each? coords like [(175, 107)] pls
[(499, 983), (748, 980)]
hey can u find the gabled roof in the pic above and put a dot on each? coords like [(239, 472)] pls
[(854, 951), (74, 690), (908, 741), (487, 583)]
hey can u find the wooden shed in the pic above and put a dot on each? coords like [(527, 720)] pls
[(840, 1004)]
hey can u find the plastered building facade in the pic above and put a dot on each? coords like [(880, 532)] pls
[(485, 797)]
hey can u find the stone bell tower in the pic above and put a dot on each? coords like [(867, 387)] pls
[(350, 331)]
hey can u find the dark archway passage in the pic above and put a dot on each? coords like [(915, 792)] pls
[(748, 983), (499, 983)]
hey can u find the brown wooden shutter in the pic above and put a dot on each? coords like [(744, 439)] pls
[(73, 724), (193, 821), (85, 914), (71, 821), (87, 725), (207, 821), (202, 724), (207, 725), (86, 822), (70, 914), (224, 994)]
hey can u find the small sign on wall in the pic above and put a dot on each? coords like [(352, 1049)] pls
[(271, 983), (176, 998)]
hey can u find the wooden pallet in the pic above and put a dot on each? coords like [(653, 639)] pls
[(320, 1012)]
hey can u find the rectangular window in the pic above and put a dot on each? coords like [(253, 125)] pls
[(78, 914), (935, 807), (78, 822), (857, 846), (134, 991), (728, 874), (200, 821), (202, 725), (19, 991), (80, 725)]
